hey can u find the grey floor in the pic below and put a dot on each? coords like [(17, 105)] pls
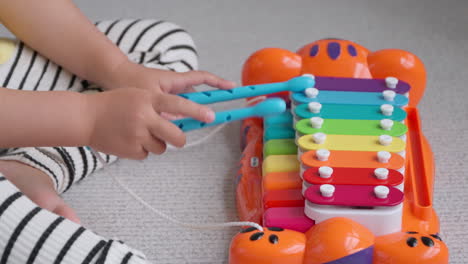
[(195, 184)]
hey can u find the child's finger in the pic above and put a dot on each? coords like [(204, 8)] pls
[(180, 106), (194, 78), (168, 116), (154, 145), (167, 132)]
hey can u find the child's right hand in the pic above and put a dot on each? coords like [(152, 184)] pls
[(126, 122)]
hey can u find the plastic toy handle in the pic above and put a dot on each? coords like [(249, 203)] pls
[(297, 84), (268, 107)]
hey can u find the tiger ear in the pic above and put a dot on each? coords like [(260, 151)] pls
[(271, 65), (402, 65)]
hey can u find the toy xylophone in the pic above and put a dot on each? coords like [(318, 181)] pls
[(344, 175)]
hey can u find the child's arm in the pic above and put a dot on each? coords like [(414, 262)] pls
[(43, 119), (124, 122), (58, 30)]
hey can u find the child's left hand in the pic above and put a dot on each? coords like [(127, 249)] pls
[(130, 74)]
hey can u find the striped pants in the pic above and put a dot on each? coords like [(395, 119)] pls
[(29, 234)]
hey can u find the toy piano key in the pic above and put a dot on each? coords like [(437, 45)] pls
[(281, 181), (354, 195), (292, 218), (351, 127), (280, 147), (350, 111), (353, 176), (361, 85), (353, 98), (354, 159), (280, 163), (278, 132), (351, 142), (285, 118), (283, 198)]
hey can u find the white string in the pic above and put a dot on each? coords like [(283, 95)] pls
[(216, 130), (169, 218), (201, 140)]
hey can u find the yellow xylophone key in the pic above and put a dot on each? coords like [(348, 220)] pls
[(280, 163), (352, 142)]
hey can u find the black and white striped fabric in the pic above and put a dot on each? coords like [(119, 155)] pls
[(29, 234), (153, 43)]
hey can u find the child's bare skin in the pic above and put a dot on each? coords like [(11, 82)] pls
[(127, 120)]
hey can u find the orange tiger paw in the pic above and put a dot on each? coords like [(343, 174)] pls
[(272, 246), (410, 247)]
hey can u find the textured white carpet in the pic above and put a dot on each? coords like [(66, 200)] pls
[(196, 184)]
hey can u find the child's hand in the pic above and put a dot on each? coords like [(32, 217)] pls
[(126, 122), (129, 74)]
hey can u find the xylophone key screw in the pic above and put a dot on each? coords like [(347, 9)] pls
[(319, 138), (391, 82), (325, 172), (311, 92), (381, 191), (316, 122), (386, 124), (327, 190), (389, 95), (315, 107), (322, 154), (309, 75), (383, 156), (381, 173), (386, 109), (385, 140)]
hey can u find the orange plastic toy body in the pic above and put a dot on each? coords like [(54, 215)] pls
[(410, 247), (339, 240)]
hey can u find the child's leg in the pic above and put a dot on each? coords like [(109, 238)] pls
[(153, 43), (29, 234), (42, 172), (150, 42)]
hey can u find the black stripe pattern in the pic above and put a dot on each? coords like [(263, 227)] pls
[(69, 244), (15, 63), (37, 247), (16, 233), (9, 201), (94, 252)]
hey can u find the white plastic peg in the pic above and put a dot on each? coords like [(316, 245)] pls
[(381, 173), (327, 190), (315, 107), (386, 124), (322, 154), (316, 122), (389, 95), (391, 82), (319, 138), (311, 92), (381, 191), (309, 75), (385, 140), (383, 156), (386, 109), (325, 172)]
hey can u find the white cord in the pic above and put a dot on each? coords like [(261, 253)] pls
[(169, 218), (201, 140), (255, 99)]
